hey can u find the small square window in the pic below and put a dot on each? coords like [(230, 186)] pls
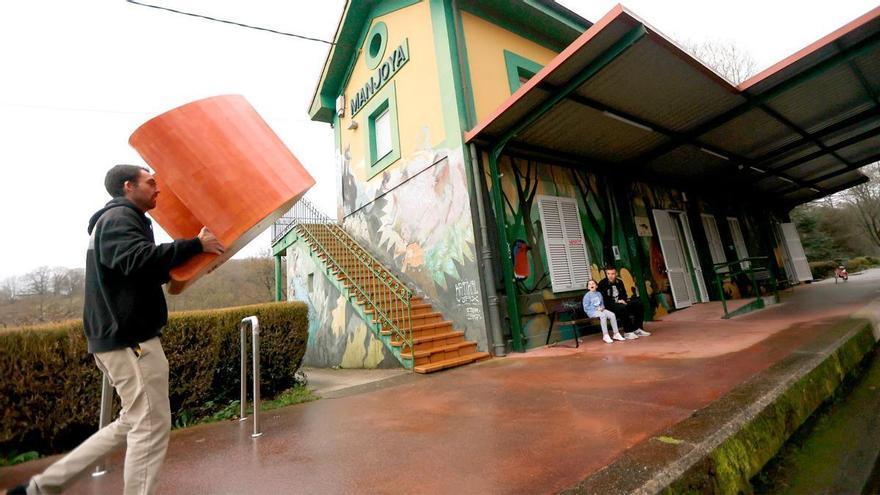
[(382, 125), (383, 135)]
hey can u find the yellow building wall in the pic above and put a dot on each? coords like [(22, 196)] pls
[(420, 115), (485, 43)]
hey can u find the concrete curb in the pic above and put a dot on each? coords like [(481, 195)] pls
[(721, 447)]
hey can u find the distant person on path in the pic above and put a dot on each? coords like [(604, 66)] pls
[(123, 317), (629, 311), (594, 306)]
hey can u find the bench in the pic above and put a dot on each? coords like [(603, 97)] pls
[(572, 306)]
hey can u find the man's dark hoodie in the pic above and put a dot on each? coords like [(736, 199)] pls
[(125, 270), (611, 292)]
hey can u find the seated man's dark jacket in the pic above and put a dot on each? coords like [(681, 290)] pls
[(606, 288), (125, 270)]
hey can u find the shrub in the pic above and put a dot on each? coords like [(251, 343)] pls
[(50, 388), (822, 269), (860, 263)]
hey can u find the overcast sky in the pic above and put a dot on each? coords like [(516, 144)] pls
[(79, 77)]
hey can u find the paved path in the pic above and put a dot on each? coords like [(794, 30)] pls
[(530, 423)]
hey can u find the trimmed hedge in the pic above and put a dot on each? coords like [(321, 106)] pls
[(822, 269), (51, 388)]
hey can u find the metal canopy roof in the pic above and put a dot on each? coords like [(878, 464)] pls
[(625, 97)]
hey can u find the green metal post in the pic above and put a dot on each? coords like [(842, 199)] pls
[(279, 294), (503, 244), (721, 292), (627, 41)]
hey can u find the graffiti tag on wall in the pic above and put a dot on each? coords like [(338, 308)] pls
[(466, 292)]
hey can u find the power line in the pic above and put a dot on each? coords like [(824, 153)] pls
[(231, 22)]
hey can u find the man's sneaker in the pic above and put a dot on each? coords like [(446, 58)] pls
[(630, 336), (642, 333), (607, 340), (617, 336)]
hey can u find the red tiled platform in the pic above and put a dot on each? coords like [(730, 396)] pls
[(527, 424)]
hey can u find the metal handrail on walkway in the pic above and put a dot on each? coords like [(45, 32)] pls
[(254, 323), (374, 286), (104, 418), (756, 269)]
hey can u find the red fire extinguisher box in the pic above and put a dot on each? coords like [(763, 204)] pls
[(218, 164)]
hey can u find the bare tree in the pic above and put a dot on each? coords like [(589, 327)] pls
[(262, 268), (865, 199), (39, 281), (59, 280), (725, 57), (10, 289), (75, 281)]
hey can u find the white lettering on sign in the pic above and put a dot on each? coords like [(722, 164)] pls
[(382, 75)]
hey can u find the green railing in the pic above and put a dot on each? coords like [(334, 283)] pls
[(757, 269), (375, 288)]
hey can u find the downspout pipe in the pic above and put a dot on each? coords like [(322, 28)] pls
[(498, 346)]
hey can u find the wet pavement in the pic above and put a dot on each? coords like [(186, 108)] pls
[(531, 423)]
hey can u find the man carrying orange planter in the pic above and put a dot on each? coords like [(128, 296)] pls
[(123, 317)]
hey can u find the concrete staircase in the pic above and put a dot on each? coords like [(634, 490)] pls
[(408, 325)]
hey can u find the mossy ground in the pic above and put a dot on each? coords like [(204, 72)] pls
[(836, 448)]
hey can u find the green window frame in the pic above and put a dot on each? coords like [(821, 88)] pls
[(385, 100), (519, 67)]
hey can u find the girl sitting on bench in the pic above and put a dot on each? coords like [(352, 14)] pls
[(595, 308)]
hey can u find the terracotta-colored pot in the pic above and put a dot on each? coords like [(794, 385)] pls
[(218, 164)]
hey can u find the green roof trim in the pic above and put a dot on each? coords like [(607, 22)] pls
[(350, 35), (518, 66), (543, 21)]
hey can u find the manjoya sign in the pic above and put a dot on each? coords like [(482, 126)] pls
[(383, 74)]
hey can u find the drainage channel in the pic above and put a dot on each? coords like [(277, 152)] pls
[(836, 451)]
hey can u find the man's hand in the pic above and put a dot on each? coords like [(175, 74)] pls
[(210, 244), (621, 301)]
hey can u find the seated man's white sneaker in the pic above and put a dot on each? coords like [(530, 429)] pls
[(630, 336), (617, 336), (607, 340), (642, 333)]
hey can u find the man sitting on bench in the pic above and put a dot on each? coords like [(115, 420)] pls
[(629, 311)]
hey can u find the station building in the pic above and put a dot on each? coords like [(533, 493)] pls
[(492, 156)]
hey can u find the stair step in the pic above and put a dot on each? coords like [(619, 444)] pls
[(425, 330), (421, 319), (431, 328), (431, 341), (441, 350), (451, 363), (416, 309)]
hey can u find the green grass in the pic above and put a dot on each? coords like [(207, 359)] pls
[(13, 458), (298, 394)]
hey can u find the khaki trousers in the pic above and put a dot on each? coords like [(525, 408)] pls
[(144, 424)]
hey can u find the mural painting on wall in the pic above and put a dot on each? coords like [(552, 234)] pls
[(337, 335), (646, 197), (522, 181), (423, 229), (357, 189)]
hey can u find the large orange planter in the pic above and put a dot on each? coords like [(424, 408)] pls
[(218, 164)]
